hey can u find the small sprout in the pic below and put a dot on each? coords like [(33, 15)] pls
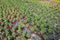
[(2, 30), (24, 18), (14, 23), (20, 35), (2, 26), (15, 31), (40, 33), (32, 25), (10, 26)]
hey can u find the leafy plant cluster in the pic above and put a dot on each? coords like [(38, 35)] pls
[(38, 18)]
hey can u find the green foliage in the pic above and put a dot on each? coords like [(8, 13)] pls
[(40, 14)]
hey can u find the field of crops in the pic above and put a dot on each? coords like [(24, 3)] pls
[(29, 20)]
